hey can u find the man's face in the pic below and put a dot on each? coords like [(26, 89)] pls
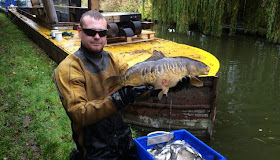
[(93, 43)]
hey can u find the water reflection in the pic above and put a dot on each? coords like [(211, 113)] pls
[(247, 124)]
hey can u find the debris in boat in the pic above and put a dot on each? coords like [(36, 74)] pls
[(176, 150), (159, 71), (65, 33), (52, 34)]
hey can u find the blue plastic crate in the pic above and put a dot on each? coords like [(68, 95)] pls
[(206, 152)]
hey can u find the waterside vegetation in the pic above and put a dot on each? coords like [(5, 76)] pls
[(258, 17)]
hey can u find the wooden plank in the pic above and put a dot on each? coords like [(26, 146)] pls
[(71, 7), (112, 19), (147, 25), (151, 36), (109, 19), (148, 34), (94, 5), (121, 41), (145, 32), (50, 11), (116, 19), (144, 36), (128, 39), (35, 3), (38, 11)]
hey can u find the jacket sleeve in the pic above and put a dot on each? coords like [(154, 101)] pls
[(70, 83)]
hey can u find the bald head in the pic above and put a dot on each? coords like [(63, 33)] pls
[(93, 14)]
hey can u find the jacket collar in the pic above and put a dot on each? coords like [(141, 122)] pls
[(91, 55)]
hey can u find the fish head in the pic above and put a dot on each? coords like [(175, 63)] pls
[(198, 68), (207, 69)]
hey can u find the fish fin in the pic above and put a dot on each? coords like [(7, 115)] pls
[(113, 83), (195, 81), (160, 95), (156, 56), (165, 90), (162, 92)]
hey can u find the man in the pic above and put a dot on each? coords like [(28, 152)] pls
[(98, 130)]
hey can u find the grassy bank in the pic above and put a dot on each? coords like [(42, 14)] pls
[(33, 124)]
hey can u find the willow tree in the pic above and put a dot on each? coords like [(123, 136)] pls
[(273, 31), (207, 13), (256, 16)]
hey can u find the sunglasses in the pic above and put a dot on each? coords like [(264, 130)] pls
[(92, 32)]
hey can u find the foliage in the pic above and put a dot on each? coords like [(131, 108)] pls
[(142, 6), (273, 32), (120, 5), (260, 17), (146, 9)]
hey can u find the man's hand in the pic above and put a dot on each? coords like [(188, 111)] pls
[(128, 95)]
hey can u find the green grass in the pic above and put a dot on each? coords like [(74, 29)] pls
[(33, 123)]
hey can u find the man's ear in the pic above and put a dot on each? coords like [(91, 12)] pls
[(79, 29)]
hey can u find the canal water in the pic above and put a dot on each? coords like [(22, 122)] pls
[(247, 124)]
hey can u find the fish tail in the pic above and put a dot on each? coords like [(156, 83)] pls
[(113, 83)]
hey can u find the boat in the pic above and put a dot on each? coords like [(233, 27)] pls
[(192, 109)]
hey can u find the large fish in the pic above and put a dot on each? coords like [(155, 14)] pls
[(159, 71)]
